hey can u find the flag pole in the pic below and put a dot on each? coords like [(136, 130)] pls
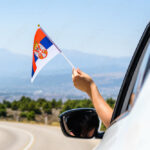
[(70, 63)]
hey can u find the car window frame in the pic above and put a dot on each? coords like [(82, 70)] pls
[(131, 75)]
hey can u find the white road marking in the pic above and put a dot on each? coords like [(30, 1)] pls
[(26, 132), (31, 140)]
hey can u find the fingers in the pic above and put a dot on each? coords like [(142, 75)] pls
[(75, 76), (79, 71), (76, 81), (74, 72)]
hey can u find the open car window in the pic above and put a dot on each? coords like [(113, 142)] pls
[(133, 77), (140, 77)]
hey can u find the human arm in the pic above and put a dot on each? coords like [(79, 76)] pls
[(84, 82)]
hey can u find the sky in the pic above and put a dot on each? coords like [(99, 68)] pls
[(104, 27)]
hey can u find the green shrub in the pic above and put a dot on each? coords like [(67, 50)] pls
[(3, 112), (33, 107), (40, 102), (53, 103), (7, 103), (2, 106), (31, 115), (72, 104), (23, 114), (59, 104), (14, 105), (47, 108), (111, 102)]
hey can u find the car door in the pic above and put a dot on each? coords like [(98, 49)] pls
[(130, 89)]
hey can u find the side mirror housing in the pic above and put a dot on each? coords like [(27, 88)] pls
[(80, 123)]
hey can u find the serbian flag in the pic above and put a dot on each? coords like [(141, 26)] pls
[(44, 50)]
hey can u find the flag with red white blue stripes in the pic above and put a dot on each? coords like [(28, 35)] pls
[(44, 49)]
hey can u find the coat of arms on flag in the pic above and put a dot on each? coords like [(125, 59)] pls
[(44, 49), (40, 50)]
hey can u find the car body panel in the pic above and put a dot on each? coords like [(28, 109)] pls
[(133, 131)]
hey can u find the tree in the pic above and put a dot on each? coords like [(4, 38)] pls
[(23, 106), (31, 115), (47, 108), (14, 105), (53, 103), (2, 106), (40, 102), (59, 103), (72, 104), (3, 112), (85, 103), (33, 107), (24, 99), (111, 102), (69, 104), (23, 114), (7, 103), (24, 103)]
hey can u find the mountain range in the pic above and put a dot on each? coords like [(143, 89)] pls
[(54, 80)]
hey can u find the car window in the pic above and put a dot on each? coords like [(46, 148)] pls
[(138, 82), (133, 78), (140, 78)]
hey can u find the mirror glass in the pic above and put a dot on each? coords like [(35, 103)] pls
[(82, 123)]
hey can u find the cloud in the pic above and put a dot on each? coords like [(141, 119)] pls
[(38, 92)]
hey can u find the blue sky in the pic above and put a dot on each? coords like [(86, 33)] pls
[(104, 27)]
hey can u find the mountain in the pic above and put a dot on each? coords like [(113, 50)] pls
[(55, 78)]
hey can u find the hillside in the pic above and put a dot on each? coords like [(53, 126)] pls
[(54, 81)]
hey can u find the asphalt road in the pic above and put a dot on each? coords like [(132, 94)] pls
[(19, 136)]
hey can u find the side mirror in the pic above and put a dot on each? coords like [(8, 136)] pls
[(80, 123)]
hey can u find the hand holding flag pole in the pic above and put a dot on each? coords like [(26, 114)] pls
[(44, 50)]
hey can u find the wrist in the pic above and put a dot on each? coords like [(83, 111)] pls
[(92, 86)]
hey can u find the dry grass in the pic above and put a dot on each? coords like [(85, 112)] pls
[(55, 124)]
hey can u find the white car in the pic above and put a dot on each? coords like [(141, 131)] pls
[(130, 123)]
